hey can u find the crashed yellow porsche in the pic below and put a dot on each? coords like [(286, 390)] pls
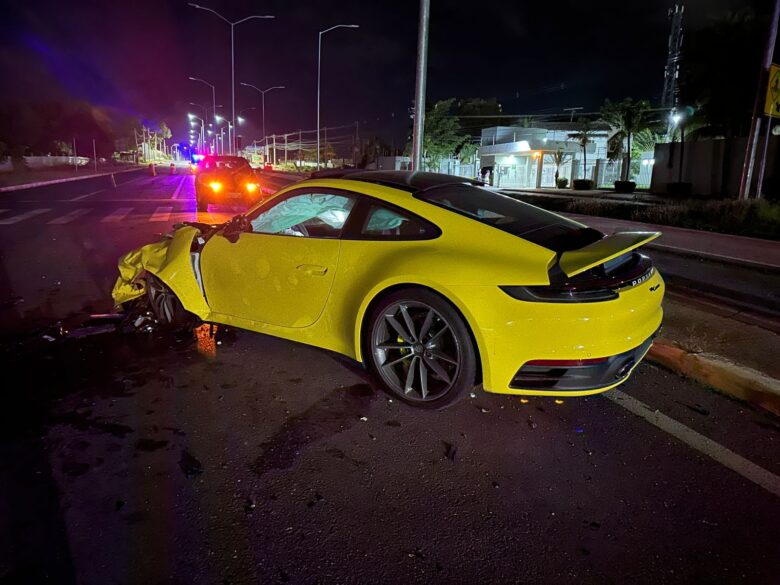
[(434, 282)]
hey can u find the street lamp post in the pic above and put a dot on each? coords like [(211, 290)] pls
[(213, 92), (262, 93), (319, 59), (192, 118), (419, 87), (232, 55)]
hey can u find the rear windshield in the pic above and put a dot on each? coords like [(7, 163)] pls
[(233, 162), (512, 216)]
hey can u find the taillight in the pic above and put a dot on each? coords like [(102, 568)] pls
[(552, 294), (216, 186), (251, 187)]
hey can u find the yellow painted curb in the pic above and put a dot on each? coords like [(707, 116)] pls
[(727, 377)]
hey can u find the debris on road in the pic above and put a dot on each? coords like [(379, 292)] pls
[(89, 331), (10, 302), (190, 465), (450, 450)]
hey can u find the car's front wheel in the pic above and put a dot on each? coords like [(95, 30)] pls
[(420, 348), (165, 305)]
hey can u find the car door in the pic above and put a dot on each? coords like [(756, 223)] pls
[(282, 271)]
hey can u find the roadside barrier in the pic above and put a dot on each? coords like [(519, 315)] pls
[(113, 180)]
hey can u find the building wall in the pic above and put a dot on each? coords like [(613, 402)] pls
[(714, 167)]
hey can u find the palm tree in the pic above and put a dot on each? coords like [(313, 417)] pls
[(559, 158), (626, 119), (583, 137)]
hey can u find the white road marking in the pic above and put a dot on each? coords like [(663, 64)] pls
[(178, 188), (705, 445), (161, 214), (23, 216), (117, 215), (80, 197), (69, 217)]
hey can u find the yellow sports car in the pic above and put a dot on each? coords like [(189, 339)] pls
[(434, 282)]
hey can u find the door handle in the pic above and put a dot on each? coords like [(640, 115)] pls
[(313, 269)]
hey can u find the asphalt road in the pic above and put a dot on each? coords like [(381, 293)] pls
[(240, 458)]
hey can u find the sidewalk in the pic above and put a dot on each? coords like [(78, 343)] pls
[(732, 357), (722, 247), (637, 198), (31, 179)]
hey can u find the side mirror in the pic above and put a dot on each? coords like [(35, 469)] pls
[(235, 227)]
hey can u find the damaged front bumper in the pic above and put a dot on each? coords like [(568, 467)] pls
[(170, 260)]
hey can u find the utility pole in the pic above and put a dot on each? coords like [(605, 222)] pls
[(285, 149), (755, 125), (572, 110), (300, 147), (419, 90), (94, 154)]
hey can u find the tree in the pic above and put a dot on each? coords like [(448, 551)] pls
[(559, 158), (442, 136), (626, 119), (583, 136), (60, 147)]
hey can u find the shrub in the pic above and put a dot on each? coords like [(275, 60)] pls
[(756, 218), (562, 182), (583, 184)]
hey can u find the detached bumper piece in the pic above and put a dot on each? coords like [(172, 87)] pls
[(577, 375)]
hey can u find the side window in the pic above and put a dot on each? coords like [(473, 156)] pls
[(384, 223), (314, 215)]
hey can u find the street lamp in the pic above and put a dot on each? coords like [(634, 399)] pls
[(232, 52), (319, 55), (263, 92), (213, 93), (241, 120), (192, 118)]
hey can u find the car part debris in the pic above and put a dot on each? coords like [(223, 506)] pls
[(82, 332)]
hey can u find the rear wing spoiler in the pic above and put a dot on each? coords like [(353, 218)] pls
[(574, 262)]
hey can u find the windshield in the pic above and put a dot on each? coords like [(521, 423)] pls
[(512, 216)]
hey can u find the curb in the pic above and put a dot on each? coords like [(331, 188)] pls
[(714, 257), (23, 186), (722, 375)]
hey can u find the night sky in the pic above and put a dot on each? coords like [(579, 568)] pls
[(135, 57)]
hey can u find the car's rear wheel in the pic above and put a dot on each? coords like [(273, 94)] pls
[(165, 305), (420, 348)]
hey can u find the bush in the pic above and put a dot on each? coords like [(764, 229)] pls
[(583, 184), (562, 182), (755, 218), (625, 186)]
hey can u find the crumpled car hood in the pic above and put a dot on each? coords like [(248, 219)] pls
[(169, 259)]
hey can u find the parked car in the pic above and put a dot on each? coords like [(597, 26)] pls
[(433, 282), (226, 180)]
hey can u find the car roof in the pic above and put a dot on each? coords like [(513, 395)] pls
[(223, 157), (411, 181)]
